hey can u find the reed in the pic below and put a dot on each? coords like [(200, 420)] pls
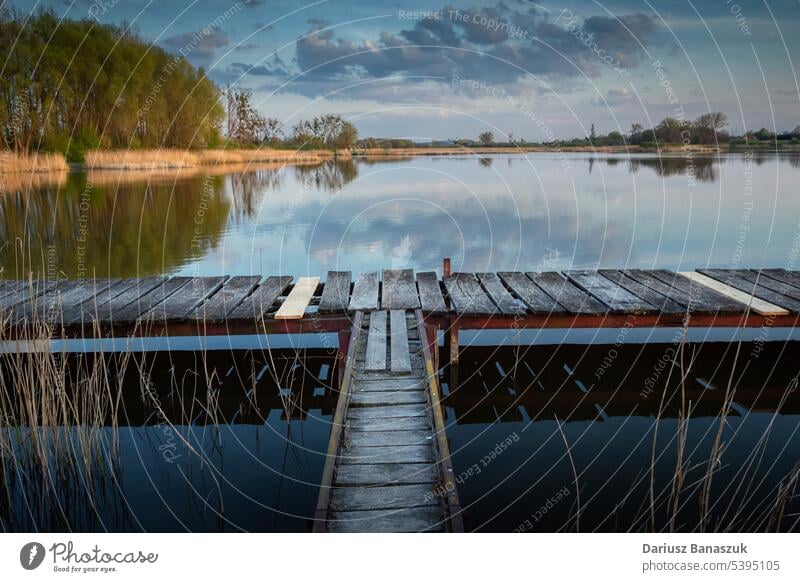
[(19, 163), (173, 159)]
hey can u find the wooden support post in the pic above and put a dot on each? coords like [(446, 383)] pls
[(453, 340), (446, 267), (341, 353)]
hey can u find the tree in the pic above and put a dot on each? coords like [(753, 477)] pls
[(708, 126), (636, 133), (486, 138), (614, 138), (592, 134), (246, 125), (330, 131)]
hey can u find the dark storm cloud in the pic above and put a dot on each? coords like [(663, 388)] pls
[(495, 44), (199, 47)]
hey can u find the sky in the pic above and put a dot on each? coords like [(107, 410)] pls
[(443, 70)]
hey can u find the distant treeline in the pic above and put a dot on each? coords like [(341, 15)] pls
[(69, 86)]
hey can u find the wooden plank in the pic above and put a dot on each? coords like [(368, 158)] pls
[(417, 519), (336, 294), (72, 315), (615, 297), (365, 292), (761, 287), (769, 283), (376, 342), (388, 454), (185, 300), (106, 312), (382, 412), (388, 398), (467, 295), (787, 277), (389, 385), (298, 300), (399, 289), (506, 303), (224, 301), (258, 303), (39, 308), (661, 302), (84, 293), (537, 300), (385, 474), (430, 293), (392, 497), (572, 298), (703, 297), (757, 305), (417, 422), (140, 306), (389, 438), (398, 345), (666, 289), (26, 293)]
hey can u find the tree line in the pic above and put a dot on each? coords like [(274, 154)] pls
[(73, 85)]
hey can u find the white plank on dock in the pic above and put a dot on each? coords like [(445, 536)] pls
[(376, 342), (398, 348), (757, 305), (296, 303)]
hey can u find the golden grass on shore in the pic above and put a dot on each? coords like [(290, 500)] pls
[(17, 163), (168, 159)]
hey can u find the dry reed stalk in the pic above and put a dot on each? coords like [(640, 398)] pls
[(18, 163)]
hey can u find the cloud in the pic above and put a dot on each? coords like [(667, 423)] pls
[(616, 98), (494, 43), (198, 47)]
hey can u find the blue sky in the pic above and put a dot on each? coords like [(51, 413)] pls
[(438, 70)]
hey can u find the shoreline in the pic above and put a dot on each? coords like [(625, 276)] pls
[(170, 160)]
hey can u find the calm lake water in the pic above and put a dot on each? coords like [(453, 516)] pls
[(504, 212), (248, 453)]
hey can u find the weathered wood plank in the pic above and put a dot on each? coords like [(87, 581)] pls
[(667, 290), (387, 398), (757, 305), (758, 289), (387, 454), (336, 294), (258, 303), (467, 295), (74, 314), (661, 302), (83, 294), (224, 301), (791, 278), (769, 283), (389, 438), (365, 292), (298, 300), (417, 519), (398, 343), (385, 474), (430, 293), (179, 305), (389, 385), (418, 422), (506, 303), (537, 300), (570, 297), (399, 289), (615, 297), (376, 342), (142, 305), (382, 412), (703, 297), (393, 497), (26, 293), (38, 308), (107, 312)]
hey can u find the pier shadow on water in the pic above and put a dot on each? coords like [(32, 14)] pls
[(221, 441), (605, 438)]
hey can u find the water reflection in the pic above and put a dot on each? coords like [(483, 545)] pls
[(198, 442), (622, 410), (535, 211)]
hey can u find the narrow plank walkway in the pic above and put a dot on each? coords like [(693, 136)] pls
[(385, 470)]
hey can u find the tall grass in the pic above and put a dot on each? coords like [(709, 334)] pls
[(168, 159), (19, 163)]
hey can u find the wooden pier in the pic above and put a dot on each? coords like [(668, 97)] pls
[(388, 465)]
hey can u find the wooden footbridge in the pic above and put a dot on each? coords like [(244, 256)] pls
[(388, 464)]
